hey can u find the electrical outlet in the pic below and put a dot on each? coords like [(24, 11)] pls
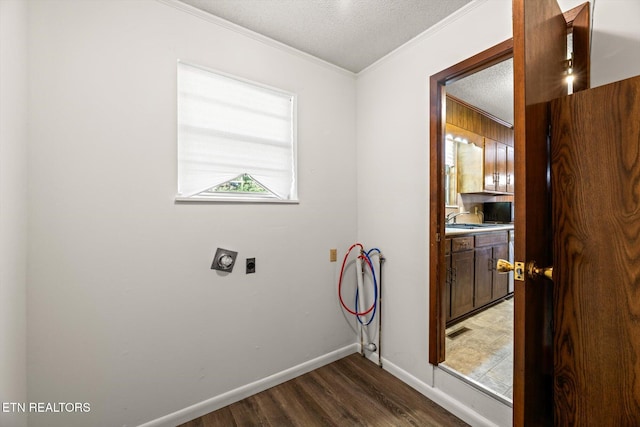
[(333, 255), (251, 265)]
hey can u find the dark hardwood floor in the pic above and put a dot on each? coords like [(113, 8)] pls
[(349, 392)]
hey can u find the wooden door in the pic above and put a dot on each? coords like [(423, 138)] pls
[(595, 182), (539, 49)]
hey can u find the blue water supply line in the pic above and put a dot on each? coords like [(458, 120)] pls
[(376, 307)]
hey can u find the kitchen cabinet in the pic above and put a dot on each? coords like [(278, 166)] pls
[(500, 281), (494, 246), (483, 280), (462, 272), (447, 286), (497, 176), (511, 169), (484, 148), (489, 170), (472, 280)]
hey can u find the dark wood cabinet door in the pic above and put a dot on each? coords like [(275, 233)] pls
[(462, 267), (500, 283), (447, 286), (490, 164), (510, 170), (484, 276), (501, 167)]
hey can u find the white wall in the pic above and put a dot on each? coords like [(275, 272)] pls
[(393, 172), (13, 205), (124, 311), (615, 40), (393, 183)]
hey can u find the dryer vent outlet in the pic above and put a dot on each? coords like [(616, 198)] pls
[(224, 260)]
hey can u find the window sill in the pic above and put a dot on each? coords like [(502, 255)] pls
[(234, 200)]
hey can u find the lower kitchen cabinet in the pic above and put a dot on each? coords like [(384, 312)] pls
[(500, 282), (447, 282), (483, 280), (472, 281), (461, 275)]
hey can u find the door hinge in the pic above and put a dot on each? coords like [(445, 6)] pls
[(568, 65), (437, 237)]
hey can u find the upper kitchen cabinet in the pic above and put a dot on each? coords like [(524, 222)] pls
[(498, 166), (511, 169), (486, 165)]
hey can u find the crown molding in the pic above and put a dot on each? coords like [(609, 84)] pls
[(254, 35), (425, 34)]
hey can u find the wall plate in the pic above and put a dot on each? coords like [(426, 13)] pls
[(251, 265), (224, 260)]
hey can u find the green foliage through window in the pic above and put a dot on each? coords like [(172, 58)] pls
[(244, 183)]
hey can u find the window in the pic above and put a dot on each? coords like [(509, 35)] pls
[(236, 139)]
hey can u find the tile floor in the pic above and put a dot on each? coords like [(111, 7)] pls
[(481, 348)]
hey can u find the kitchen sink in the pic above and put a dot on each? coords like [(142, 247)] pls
[(470, 226)]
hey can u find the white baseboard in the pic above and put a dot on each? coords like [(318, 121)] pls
[(444, 400), (222, 400), (452, 405)]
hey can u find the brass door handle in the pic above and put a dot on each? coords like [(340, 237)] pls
[(532, 270)]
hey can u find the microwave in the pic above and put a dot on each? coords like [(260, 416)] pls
[(498, 212)]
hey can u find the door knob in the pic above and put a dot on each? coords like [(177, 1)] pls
[(518, 268), (533, 271)]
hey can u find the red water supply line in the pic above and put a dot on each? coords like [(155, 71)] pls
[(344, 262)]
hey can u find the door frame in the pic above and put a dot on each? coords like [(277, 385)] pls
[(437, 111), (578, 22)]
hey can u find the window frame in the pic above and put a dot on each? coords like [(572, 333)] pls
[(240, 197)]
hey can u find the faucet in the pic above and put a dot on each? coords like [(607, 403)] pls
[(452, 216)]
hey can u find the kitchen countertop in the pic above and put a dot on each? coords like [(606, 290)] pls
[(450, 231)]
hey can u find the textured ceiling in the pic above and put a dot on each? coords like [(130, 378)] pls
[(352, 34), (490, 90)]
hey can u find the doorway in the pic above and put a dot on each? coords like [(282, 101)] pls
[(577, 24), (462, 313)]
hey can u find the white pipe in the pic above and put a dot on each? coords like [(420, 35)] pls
[(379, 349), (361, 304)]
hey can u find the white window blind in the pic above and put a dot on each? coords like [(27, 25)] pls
[(228, 127)]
